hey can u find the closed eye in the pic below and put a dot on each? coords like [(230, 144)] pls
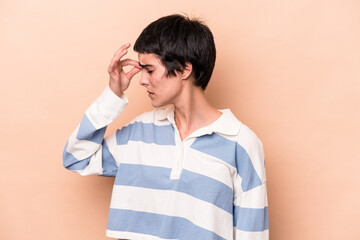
[(146, 67)]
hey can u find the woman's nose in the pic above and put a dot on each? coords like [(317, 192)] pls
[(143, 80)]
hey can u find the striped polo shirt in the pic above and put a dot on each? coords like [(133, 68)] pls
[(209, 186)]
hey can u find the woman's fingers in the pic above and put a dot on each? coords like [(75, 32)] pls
[(117, 56), (122, 48), (132, 72), (120, 53), (128, 61), (115, 60), (116, 72)]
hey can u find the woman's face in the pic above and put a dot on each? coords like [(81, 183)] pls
[(162, 89)]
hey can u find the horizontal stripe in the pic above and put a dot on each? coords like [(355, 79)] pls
[(231, 153), (210, 166), (241, 235), (246, 170), (251, 219), (132, 235), (144, 153), (81, 149), (113, 147), (72, 163), (88, 132), (108, 162), (146, 132), (109, 167), (173, 203), (217, 146), (157, 225), (194, 184), (254, 198), (166, 156)]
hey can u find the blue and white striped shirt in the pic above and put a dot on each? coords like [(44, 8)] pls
[(210, 186)]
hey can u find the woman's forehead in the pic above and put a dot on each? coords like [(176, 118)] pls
[(149, 59)]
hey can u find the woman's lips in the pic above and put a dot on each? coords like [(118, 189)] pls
[(150, 94)]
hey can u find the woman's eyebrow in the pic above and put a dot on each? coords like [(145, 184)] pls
[(146, 65)]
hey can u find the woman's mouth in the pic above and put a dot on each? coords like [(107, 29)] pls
[(150, 94)]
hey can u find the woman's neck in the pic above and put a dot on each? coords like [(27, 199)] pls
[(193, 111)]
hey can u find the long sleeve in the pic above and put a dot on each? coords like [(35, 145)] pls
[(251, 221), (86, 151)]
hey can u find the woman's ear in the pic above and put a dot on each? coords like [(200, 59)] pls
[(186, 71)]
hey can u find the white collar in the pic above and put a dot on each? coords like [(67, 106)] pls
[(226, 124)]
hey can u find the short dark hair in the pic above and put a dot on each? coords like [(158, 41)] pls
[(177, 39)]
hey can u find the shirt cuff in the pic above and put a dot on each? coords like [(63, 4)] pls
[(107, 107), (108, 97)]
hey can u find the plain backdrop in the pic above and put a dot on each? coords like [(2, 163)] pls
[(288, 69)]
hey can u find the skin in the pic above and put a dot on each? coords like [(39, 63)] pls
[(192, 110)]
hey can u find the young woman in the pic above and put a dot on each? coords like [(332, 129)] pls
[(185, 170)]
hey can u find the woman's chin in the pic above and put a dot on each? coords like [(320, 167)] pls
[(157, 104)]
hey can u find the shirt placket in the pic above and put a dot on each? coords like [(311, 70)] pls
[(182, 148)]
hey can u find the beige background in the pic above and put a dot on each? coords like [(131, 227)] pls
[(288, 69)]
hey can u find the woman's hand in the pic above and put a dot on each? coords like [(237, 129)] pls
[(119, 80)]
